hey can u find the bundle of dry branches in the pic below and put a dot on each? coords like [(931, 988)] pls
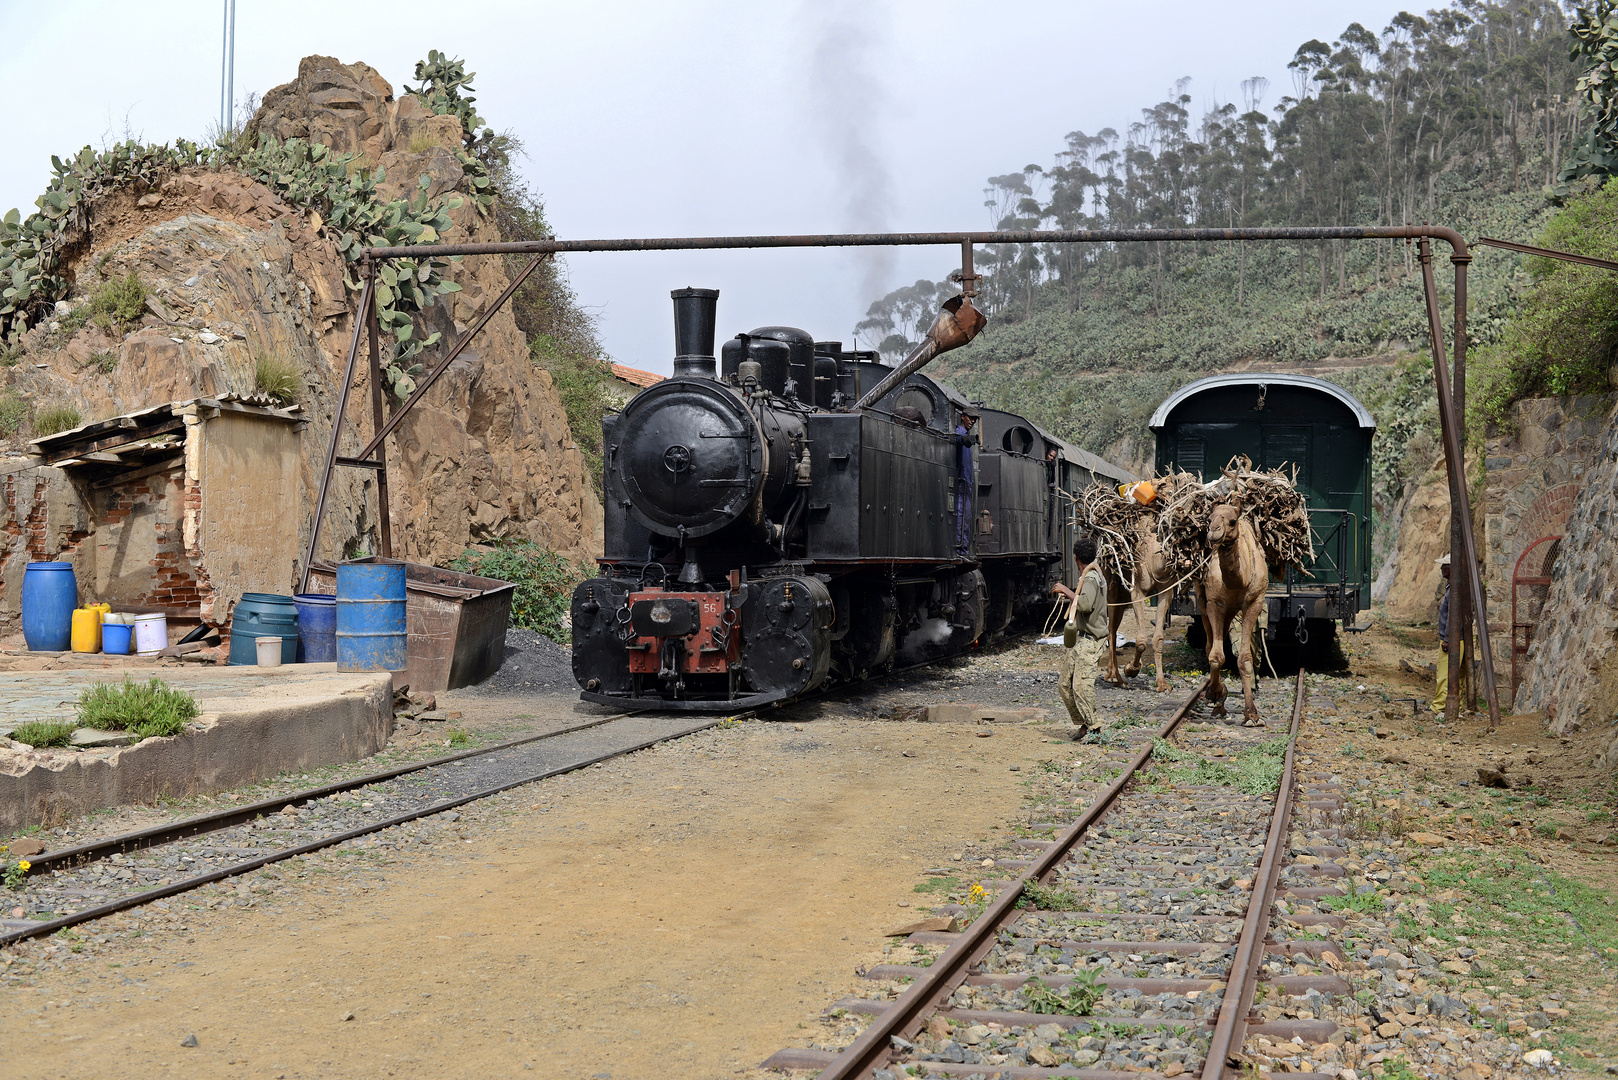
[(1269, 498)]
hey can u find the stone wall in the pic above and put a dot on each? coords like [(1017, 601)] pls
[(1534, 474), (1572, 668)]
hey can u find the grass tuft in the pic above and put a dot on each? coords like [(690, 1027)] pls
[(37, 733), (146, 709), (278, 378), (54, 418)]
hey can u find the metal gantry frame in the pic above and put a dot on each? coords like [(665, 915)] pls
[(1451, 389)]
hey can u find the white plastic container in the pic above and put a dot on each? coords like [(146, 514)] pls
[(269, 651), (151, 634)]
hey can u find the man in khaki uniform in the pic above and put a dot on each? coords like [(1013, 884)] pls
[(1082, 636)]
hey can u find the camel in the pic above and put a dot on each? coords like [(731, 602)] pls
[(1153, 576), (1232, 586)]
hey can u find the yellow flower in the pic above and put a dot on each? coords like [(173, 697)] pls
[(24, 865)]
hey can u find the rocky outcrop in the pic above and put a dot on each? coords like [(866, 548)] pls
[(1410, 583), (1573, 664), (235, 274)]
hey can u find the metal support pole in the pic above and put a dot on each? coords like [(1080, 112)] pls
[(384, 508), (1455, 466), (383, 430), (1467, 655), (337, 421)]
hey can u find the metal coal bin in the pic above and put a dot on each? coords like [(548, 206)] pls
[(456, 623)]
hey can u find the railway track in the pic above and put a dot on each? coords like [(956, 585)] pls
[(90, 881), (240, 839), (1135, 943)]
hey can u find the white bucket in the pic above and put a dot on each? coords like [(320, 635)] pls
[(269, 651), (151, 634)]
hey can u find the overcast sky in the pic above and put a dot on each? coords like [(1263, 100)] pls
[(689, 119)]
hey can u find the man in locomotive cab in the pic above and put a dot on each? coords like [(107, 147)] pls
[(965, 480), (1082, 637)]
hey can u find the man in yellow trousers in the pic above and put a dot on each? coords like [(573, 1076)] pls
[(1441, 691)]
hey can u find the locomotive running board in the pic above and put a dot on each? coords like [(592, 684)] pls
[(675, 705)]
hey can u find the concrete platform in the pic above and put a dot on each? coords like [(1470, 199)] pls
[(255, 723)]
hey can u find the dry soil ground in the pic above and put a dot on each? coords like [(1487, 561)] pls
[(687, 911)]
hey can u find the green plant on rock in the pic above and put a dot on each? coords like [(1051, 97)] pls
[(278, 378), (54, 418), (442, 82), (116, 304), (37, 733), (144, 709)]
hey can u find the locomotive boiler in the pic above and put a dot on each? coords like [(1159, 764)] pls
[(785, 515)]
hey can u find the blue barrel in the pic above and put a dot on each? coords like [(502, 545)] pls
[(317, 627), (259, 615), (371, 628), (50, 592)]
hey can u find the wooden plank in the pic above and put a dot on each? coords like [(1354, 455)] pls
[(123, 438), (137, 474)]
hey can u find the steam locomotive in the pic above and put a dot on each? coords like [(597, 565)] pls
[(786, 518)]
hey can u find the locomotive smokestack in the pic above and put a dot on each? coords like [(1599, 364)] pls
[(694, 317)]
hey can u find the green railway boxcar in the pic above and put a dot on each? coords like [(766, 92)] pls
[(1281, 421)]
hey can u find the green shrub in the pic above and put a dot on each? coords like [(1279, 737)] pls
[(146, 709), (37, 733), (118, 303), (106, 361), (54, 418), (278, 378), (544, 581), (1564, 337)]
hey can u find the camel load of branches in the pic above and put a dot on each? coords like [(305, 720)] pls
[(1181, 508)]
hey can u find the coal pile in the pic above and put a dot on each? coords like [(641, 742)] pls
[(534, 664)]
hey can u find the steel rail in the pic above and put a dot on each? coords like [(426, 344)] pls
[(871, 1049), (925, 239), (1243, 978), (138, 899), (229, 818)]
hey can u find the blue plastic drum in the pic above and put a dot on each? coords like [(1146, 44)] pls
[(259, 615), (317, 628), (50, 592), (371, 627)]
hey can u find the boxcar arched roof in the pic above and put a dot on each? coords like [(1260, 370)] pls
[(1247, 378)]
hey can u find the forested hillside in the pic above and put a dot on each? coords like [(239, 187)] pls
[(1464, 117)]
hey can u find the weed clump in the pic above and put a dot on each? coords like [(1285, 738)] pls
[(278, 378), (1078, 999), (144, 709), (1255, 771), (544, 582), (37, 733)]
